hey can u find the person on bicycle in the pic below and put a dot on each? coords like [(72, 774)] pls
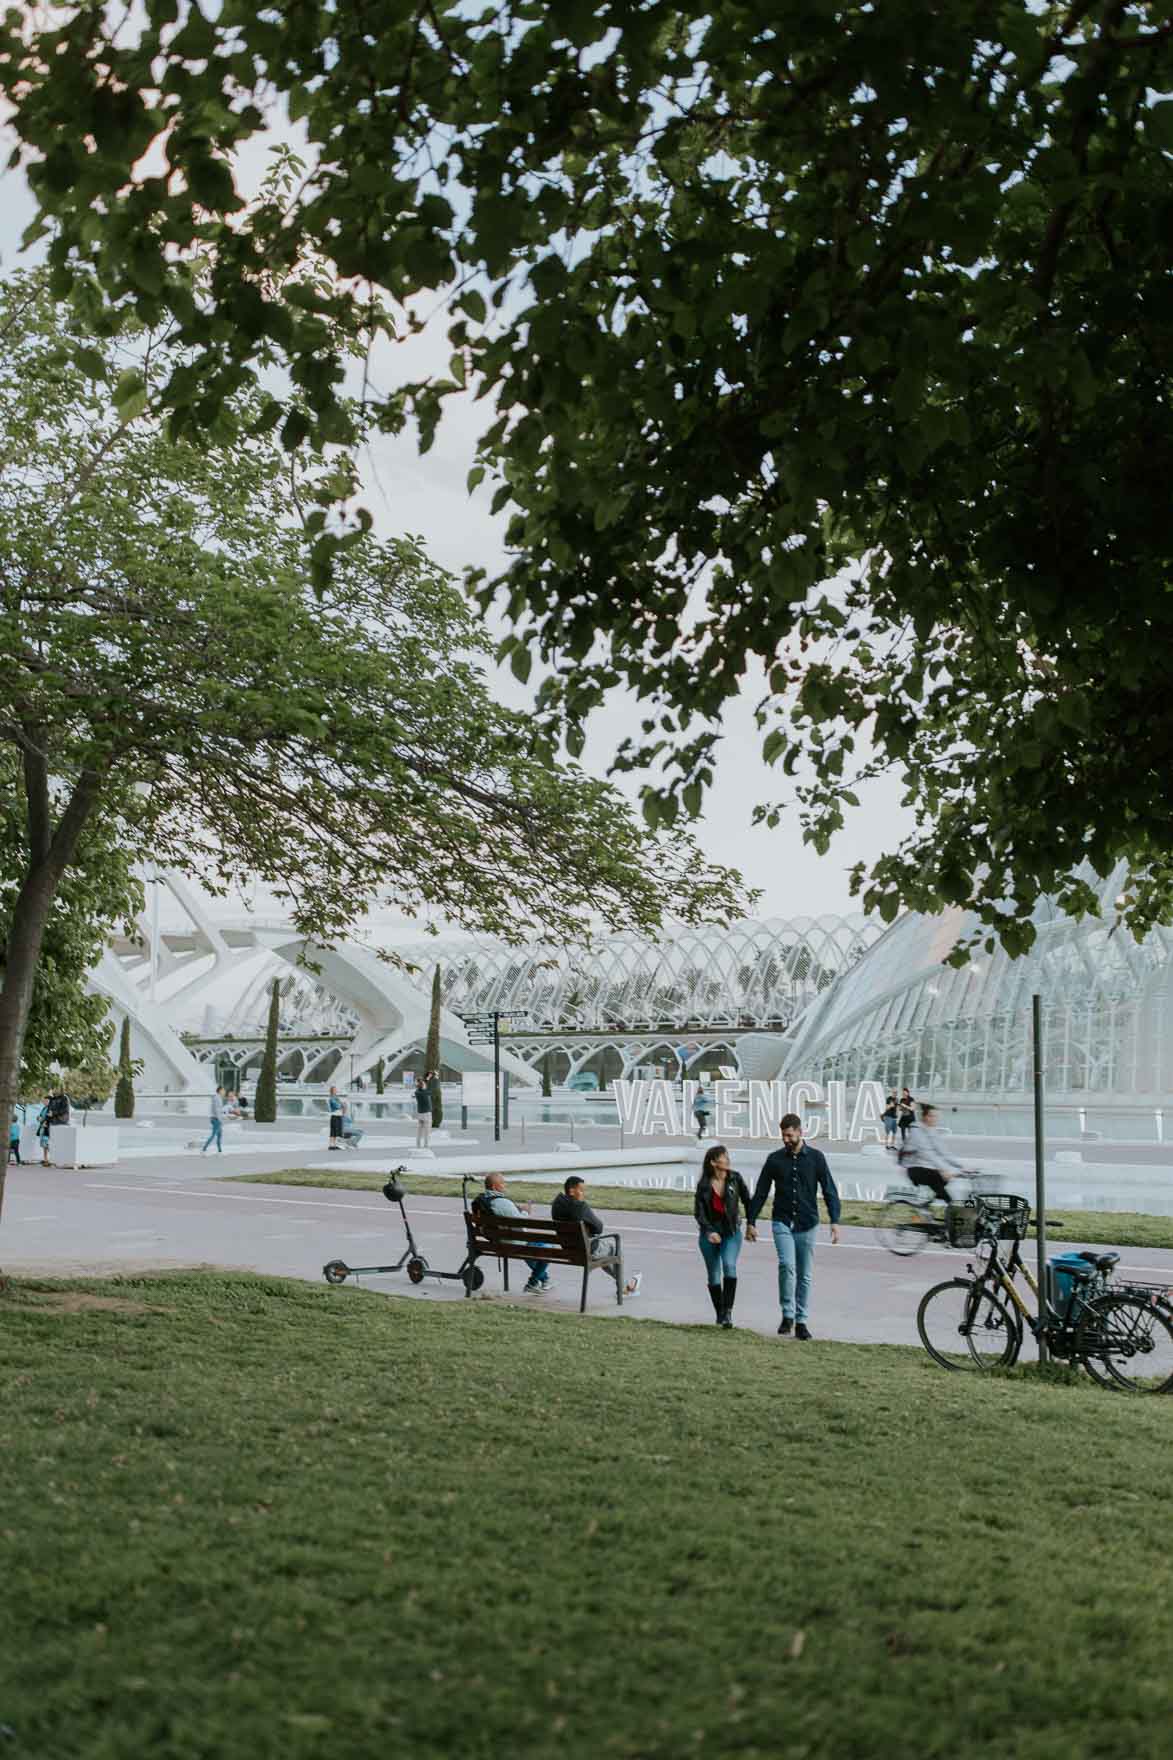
[(923, 1156)]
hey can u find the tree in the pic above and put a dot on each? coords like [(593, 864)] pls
[(547, 1090), (432, 1054), (124, 1088), (68, 1026), (380, 1075), (90, 1084), (760, 291), (171, 679), (265, 1099)]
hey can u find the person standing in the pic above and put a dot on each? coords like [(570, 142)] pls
[(423, 1112), (15, 1126), (701, 1107), (907, 1114), (890, 1118), (337, 1110), (216, 1119), (722, 1197), (797, 1173)]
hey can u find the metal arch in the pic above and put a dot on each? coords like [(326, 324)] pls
[(757, 972)]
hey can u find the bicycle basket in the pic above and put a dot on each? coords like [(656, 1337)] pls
[(961, 1220), (1004, 1215)]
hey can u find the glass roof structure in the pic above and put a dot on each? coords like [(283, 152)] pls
[(902, 1017), (755, 973)]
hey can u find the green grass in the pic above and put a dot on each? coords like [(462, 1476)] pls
[(254, 1518), (1110, 1228)]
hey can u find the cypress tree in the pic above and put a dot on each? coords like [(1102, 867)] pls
[(432, 1054), (124, 1089), (380, 1073), (547, 1090), (265, 1104)]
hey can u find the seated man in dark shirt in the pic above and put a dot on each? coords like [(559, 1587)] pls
[(571, 1206)]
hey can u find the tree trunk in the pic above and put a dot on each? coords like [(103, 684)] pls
[(29, 918), (50, 853)]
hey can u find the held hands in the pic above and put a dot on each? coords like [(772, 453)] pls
[(715, 1238), (751, 1233)]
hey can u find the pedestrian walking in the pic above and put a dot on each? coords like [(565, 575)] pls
[(701, 1108), (216, 1119), (423, 1112), (722, 1198), (336, 1107), (797, 1173)]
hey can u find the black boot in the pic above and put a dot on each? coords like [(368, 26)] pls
[(717, 1300), (730, 1298)]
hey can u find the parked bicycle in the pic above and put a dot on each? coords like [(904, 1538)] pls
[(1121, 1333)]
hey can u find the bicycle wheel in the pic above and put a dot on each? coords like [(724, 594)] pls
[(964, 1325), (1126, 1341), (904, 1227)]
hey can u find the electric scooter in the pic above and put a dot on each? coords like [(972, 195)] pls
[(417, 1267)]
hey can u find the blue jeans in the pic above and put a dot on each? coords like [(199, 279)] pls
[(720, 1260), (796, 1253), (215, 1135), (539, 1270)]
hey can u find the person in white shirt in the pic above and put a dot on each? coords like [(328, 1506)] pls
[(923, 1156)]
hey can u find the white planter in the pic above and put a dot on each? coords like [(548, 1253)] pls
[(81, 1145)]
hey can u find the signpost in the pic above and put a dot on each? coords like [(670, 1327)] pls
[(485, 1029), (1040, 1172)]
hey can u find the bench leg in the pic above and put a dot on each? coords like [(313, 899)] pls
[(619, 1282), (586, 1271), (505, 1274)]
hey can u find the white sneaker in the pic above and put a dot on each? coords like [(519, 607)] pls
[(633, 1288)]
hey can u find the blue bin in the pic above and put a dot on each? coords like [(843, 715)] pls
[(1065, 1272)]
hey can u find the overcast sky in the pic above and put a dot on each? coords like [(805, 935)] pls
[(427, 497)]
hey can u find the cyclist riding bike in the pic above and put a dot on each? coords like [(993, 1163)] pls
[(924, 1159)]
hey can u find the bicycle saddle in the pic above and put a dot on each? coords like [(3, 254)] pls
[(1101, 1261)]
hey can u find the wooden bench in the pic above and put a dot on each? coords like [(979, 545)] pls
[(528, 1237)]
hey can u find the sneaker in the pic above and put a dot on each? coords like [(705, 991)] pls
[(786, 1328), (802, 1330), (633, 1288), (537, 1286)]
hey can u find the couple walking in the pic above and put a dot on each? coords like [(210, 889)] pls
[(797, 1173)]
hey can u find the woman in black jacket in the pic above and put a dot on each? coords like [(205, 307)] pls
[(721, 1198)]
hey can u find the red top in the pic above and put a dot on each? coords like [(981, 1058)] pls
[(717, 1200)]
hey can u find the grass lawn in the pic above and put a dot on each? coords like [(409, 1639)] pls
[(247, 1517), (1110, 1228)]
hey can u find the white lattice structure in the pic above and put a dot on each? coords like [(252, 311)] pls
[(755, 973), (902, 1016), (161, 977)]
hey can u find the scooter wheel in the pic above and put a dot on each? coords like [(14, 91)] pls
[(417, 1270), (474, 1277), (337, 1271)]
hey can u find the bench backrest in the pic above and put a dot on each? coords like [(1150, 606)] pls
[(517, 1237)]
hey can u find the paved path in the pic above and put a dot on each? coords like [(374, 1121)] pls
[(105, 1220)]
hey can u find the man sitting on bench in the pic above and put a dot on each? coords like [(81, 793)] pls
[(495, 1200), (571, 1206)]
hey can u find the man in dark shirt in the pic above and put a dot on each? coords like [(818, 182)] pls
[(571, 1206), (796, 1172)]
